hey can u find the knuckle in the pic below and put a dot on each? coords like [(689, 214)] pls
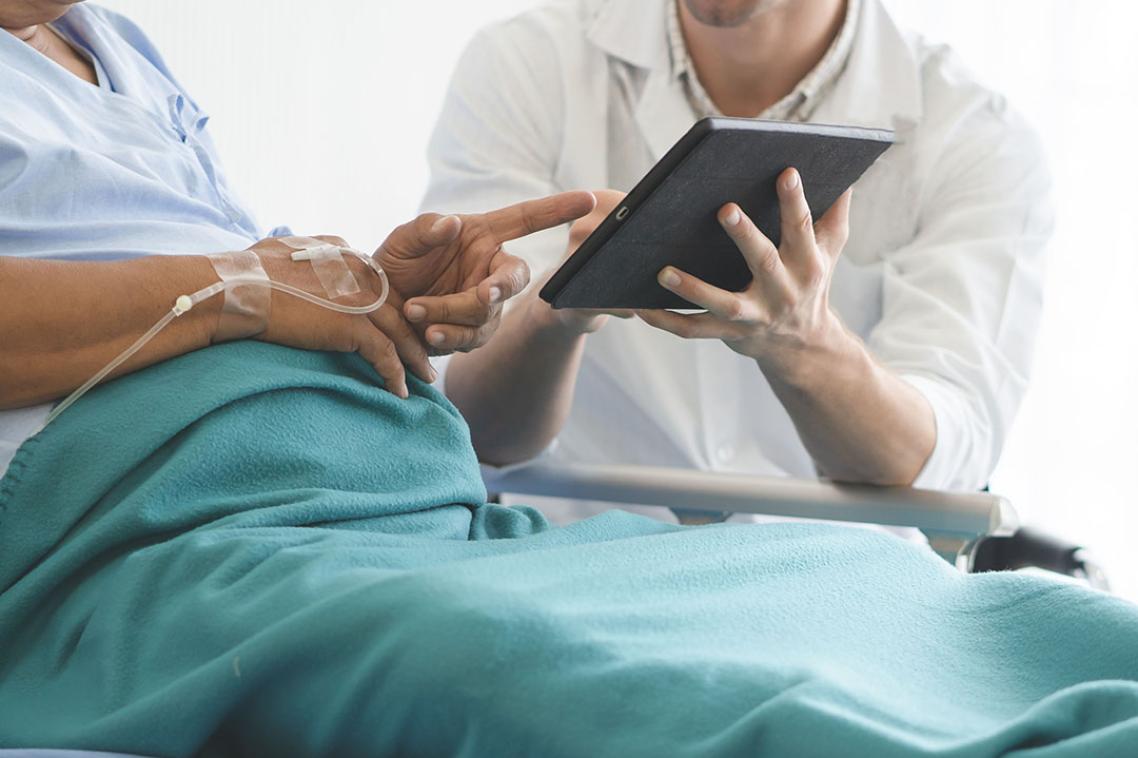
[(769, 259), (470, 340), (480, 338), (521, 276), (489, 313), (736, 310), (814, 274), (388, 353), (750, 234), (408, 345), (530, 223), (805, 221), (349, 337)]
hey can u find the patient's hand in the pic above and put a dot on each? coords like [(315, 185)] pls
[(454, 273), (383, 338)]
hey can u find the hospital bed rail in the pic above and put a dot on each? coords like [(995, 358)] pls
[(976, 531)]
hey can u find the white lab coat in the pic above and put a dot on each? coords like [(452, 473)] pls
[(941, 276)]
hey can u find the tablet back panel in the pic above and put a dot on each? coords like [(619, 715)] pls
[(672, 219)]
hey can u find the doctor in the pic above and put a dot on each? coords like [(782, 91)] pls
[(888, 342)]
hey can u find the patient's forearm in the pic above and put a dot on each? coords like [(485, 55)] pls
[(859, 421), (62, 321), (516, 392)]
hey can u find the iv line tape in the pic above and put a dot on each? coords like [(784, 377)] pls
[(245, 312), (185, 303), (334, 275)]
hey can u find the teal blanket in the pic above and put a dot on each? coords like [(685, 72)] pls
[(253, 550)]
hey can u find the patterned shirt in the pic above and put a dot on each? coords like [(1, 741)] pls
[(796, 106)]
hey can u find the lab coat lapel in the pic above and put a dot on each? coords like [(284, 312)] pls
[(663, 113), (635, 31), (881, 85)]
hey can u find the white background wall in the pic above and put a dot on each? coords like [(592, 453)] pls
[(322, 111)]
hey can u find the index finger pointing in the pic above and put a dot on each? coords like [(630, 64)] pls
[(534, 215)]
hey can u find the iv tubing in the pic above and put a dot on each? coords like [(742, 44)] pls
[(186, 302)]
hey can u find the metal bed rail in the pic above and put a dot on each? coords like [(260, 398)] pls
[(954, 522)]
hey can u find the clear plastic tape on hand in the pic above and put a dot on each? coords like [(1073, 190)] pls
[(238, 275), (245, 312), (334, 275)]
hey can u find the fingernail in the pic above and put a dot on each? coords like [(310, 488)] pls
[(669, 278), (733, 217), (440, 224), (791, 180), (433, 373), (495, 294), (416, 313), (436, 338)]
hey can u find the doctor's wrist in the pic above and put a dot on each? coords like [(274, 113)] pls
[(833, 354), (565, 323)]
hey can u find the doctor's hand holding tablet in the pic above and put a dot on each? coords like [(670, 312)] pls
[(784, 314), (784, 301), (765, 294)]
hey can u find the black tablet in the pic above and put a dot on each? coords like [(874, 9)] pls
[(669, 217)]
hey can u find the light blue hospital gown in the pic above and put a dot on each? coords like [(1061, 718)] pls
[(97, 173)]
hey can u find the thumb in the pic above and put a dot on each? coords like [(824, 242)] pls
[(420, 236)]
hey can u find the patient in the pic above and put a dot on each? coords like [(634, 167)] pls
[(254, 548), (141, 178)]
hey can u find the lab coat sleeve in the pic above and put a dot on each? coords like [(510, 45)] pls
[(962, 301), (498, 138)]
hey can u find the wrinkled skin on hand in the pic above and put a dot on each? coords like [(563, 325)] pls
[(454, 273)]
